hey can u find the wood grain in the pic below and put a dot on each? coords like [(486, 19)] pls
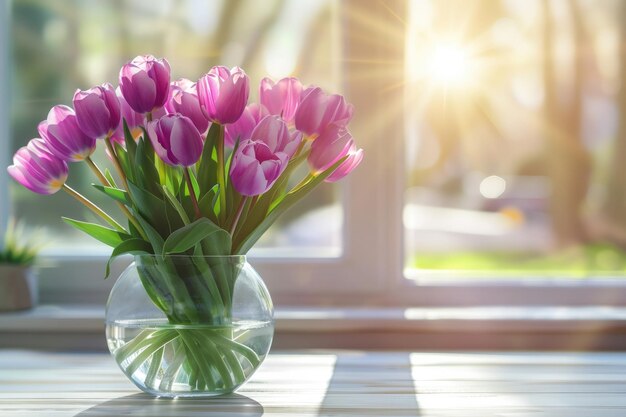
[(334, 383)]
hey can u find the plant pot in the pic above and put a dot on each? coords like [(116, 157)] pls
[(189, 326), (18, 287)]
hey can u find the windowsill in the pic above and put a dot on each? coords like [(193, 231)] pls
[(392, 328)]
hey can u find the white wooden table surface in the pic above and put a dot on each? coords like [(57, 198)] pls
[(334, 384)]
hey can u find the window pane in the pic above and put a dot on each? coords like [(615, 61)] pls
[(63, 45), (516, 138)]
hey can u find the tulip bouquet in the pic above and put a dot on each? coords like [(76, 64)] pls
[(196, 170)]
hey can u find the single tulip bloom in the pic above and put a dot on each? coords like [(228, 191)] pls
[(37, 169), (223, 94), (133, 119), (97, 110), (281, 98), (273, 131), (184, 100), (243, 127), (355, 156), (332, 145), (255, 168), (63, 137), (145, 83), (175, 140), (318, 110)]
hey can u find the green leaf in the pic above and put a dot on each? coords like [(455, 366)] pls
[(115, 193), (153, 235), (287, 202), (207, 166), (105, 235), (130, 246), (176, 204), (129, 140), (190, 235), (109, 177), (122, 157), (146, 202), (147, 176), (207, 203)]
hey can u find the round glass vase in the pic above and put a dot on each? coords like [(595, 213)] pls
[(189, 326)]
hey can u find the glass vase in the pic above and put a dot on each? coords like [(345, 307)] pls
[(189, 326)]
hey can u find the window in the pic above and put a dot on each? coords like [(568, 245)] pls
[(58, 46), (451, 106)]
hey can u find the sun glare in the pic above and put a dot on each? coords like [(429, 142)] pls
[(449, 65)]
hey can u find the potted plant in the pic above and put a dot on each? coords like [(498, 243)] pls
[(18, 278), (199, 175)]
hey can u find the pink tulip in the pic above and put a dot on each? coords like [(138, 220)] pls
[(273, 131), (255, 168), (133, 119), (97, 110), (318, 110), (281, 98), (175, 139), (37, 169), (184, 100), (332, 145), (63, 136), (355, 156), (145, 83), (243, 127), (223, 94)]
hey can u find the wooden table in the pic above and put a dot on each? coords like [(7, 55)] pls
[(334, 384)]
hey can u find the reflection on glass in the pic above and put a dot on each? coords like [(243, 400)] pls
[(516, 139), (62, 45)]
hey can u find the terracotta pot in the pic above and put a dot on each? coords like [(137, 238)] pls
[(18, 287)]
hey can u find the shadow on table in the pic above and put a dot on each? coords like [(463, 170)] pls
[(147, 405), (371, 385)]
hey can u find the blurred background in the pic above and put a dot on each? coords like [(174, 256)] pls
[(514, 117)]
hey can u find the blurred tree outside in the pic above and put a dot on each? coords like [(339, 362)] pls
[(517, 140)]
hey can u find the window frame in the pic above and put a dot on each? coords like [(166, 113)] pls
[(370, 270), (5, 110)]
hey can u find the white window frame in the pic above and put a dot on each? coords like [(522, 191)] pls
[(370, 269), (5, 109)]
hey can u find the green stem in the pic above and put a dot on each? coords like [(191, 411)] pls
[(155, 365), (116, 161), (242, 203), (194, 357), (97, 171), (157, 340), (192, 193), (121, 206), (174, 366), (302, 183), (220, 171), (91, 206)]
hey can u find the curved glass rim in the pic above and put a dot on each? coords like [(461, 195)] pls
[(181, 256)]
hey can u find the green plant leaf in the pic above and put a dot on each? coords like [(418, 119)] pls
[(151, 207), (115, 193), (190, 235), (129, 140), (207, 165), (109, 177), (287, 202), (122, 157), (153, 235), (130, 246), (176, 204), (207, 203), (105, 235)]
